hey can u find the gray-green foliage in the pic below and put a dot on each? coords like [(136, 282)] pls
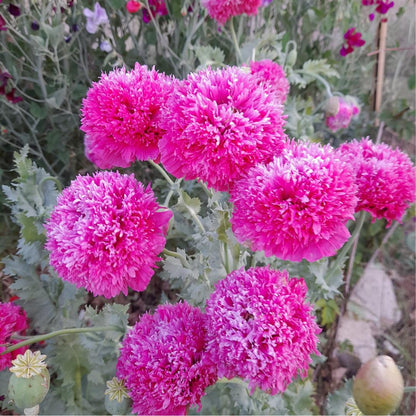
[(80, 364)]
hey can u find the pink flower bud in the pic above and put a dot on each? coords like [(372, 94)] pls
[(339, 112), (133, 6)]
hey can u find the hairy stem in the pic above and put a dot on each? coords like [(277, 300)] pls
[(67, 331)]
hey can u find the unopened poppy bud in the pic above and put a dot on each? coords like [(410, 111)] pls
[(291, 58)]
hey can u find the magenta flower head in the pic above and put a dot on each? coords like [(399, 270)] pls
[(272, 76), (352, 39), (121, 116), (222, 12), (106, 232), (386, 178), (163, 361), (297, 206), (13, 320), (218, 125), (340, 111), (260, 328)]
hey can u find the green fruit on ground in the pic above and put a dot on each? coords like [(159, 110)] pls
[(28, 392), (378, 386)]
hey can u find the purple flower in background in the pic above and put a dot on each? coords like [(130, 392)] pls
[(34, 25), (95, 17), (105, 46), (265, 3), (14, 10), (352, 38)]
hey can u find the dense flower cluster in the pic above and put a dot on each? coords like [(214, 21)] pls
[(12, 321), (260, 328), (121, 116), (297, 206), (352, 39), (385, 178), (272, 76), (105, 233), (163, 360), (218, 125), (222, 10), (339, 112)]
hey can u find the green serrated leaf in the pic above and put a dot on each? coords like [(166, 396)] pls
[(29, 230), (298, 398), (209, 56), (335, 402), (115, 315), (297, 79), (328, 283), (193, 203), (329, 311), (318, 67)]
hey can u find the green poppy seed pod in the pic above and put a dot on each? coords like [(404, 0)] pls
[(115, 407), (29, 392), (378, 386), (291, 58)]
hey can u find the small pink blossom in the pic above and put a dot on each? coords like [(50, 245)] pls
[(352, 38), (297, 206), (260, 328), (385, 178), (106, 232), (13, 321), (272, 76), (218, 125), (222, 10), (340, 111), (133, 6), (121, 116), (163, 361)]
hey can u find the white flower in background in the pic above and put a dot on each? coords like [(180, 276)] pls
[(95, 17)]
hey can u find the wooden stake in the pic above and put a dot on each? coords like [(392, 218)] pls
[(379, 68)]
